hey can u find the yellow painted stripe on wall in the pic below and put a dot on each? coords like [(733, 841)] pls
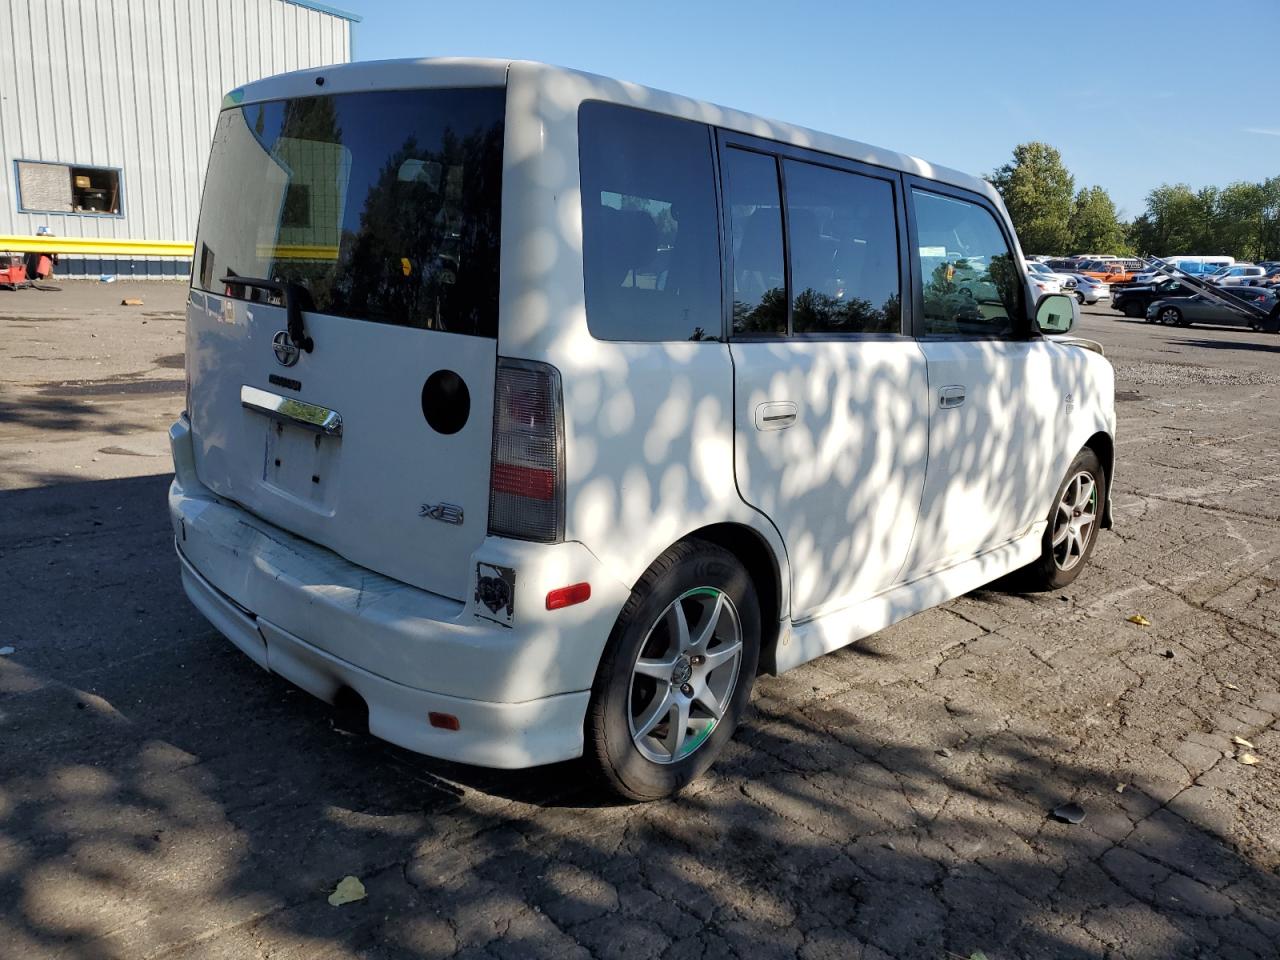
[(104, 247), (98, 246)]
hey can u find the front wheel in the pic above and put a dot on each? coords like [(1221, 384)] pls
[(676, 674), (1080, 298), (1073, 526), (1171, 317)]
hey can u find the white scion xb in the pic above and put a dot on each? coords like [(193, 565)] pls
[(540, 412)]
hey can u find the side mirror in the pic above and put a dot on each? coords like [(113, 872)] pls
[(1055, 313)]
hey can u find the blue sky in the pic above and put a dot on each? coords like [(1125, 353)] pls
[(1130, 99)]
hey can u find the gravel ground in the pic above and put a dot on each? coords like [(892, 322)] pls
[(161, 796)]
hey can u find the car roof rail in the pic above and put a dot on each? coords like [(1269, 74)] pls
[(1244, 308)]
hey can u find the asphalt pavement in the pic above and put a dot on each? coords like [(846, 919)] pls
[(160, 796)]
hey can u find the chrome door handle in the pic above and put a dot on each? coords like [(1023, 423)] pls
[(776, 414), (951, 396), (309, 415)]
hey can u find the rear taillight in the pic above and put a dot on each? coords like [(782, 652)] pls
[(526, 485)]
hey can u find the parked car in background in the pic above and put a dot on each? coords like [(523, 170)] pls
[(1133, 299), (1109, 271), (1090, 289), (1063, 264), (1066, 281), (1184, 311), (1237, 274), (1269, 279)]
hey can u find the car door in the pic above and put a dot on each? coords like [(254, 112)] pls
[(830, 394), (995, 390)]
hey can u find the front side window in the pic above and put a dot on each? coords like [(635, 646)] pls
[(381, 206), (972, 284), (650, 241), (755, 217), (843, 236)]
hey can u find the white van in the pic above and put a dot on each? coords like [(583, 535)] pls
[(541, 411)]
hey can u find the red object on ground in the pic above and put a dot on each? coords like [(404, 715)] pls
[(13, 271), (40, 265)]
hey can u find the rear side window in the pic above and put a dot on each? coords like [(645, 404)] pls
[(972, 284), (650, 242), (382, 206), (844, 251)]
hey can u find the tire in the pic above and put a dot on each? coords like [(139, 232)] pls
[(1171, 317), (1051, 571), (1080, 298), (1133, 310), (700, 580)]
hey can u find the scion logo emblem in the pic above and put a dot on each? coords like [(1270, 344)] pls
[(285, 350)]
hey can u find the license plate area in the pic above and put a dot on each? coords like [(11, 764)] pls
[(302, 464)]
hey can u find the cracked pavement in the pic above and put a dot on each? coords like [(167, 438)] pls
[(160, 796)]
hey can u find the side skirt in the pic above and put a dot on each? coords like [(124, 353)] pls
[(811, 639)]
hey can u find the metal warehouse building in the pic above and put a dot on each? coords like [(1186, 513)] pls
[(107, 109)]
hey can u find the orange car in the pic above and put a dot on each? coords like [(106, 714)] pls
[(1111, 271)]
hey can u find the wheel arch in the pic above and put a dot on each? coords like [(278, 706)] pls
[(1104, 446), (767, 571)]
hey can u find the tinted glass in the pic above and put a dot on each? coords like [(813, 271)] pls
[(651, 246), (972, 284), (383, 206), (844, 251), (755, 217)]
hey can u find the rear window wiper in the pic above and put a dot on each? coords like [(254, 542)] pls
[(292, 294)]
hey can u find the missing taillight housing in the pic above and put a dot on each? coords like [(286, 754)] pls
[(526, 487)]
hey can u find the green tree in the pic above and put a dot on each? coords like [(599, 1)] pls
[(1177, 220), (1095, 228), (1242, 220), (1037, 190)]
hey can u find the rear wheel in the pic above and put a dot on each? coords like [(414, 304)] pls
[(1080, 298), (676, 674), (1073, 526)]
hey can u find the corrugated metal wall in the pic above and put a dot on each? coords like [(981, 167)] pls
[(136, 85)]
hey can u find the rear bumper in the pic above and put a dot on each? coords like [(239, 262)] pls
[(519, 692), (507, 735)]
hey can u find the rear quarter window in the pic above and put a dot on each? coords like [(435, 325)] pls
[(650, 241)]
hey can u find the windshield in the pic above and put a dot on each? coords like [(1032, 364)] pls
[(382, 206)]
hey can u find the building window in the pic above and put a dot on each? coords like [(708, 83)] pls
[(68, 188)]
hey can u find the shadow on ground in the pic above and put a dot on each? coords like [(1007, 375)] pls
[(161, 795)]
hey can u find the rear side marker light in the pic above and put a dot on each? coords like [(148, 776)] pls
[(443, 721), (568, 596)]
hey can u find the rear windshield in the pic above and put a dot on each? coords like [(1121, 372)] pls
[(383, 206)]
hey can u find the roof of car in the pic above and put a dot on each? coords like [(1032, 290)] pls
[(571, 84)]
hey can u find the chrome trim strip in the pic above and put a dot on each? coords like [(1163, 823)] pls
[(309, 415)]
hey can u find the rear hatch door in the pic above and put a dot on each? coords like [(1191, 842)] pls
[(373, 218)]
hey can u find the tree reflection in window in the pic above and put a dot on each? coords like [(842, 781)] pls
[(972, 283)]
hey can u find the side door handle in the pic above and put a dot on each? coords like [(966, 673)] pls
[(775, 414), (951, 396)]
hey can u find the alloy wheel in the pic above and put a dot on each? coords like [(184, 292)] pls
[(684, 677), (1074, 520)]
